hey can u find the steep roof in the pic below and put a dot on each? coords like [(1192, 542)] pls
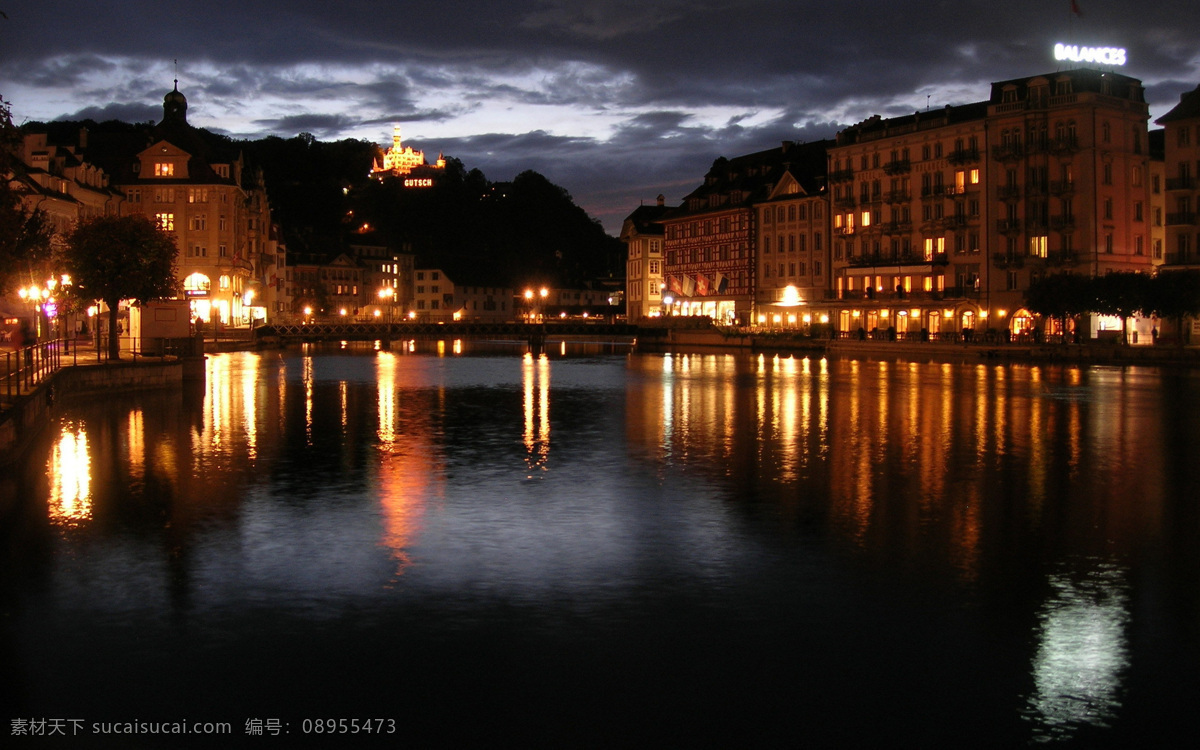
[(745, 180), (1187, 108)]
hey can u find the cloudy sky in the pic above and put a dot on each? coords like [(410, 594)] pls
[(615, 100)]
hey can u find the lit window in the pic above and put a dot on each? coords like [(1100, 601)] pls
[(166, 221), (164, 169)]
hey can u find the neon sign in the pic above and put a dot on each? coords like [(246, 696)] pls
[(1102, 55), (418, 182)]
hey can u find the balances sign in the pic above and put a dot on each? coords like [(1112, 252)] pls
[(1102, 55)]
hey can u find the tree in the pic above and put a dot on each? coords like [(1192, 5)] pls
[(1124, 294), (111, 258), (1175, 295), (1062, 295)]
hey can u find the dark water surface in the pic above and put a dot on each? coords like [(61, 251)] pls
[(616, 549)]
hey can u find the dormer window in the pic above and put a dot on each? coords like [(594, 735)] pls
[(164, 169)]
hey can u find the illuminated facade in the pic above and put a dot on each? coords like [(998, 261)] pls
[(793, 246), (1182, 173), (643, 238), (710, 240), (438, 299), (401, 160), (943, 219), (216, 209)]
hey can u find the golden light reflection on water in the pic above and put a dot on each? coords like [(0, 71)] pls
[(905, 458), (70, 472), (410, 473), (535, 382)]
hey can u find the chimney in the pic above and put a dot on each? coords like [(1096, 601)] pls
[(83, 139), (661, 199)]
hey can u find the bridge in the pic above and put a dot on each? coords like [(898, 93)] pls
[(535, 334)]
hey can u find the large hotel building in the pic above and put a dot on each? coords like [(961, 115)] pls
[(932, 222)]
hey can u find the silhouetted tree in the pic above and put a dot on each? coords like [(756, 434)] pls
[(1064, 296), (111, 258), (1124, 294)]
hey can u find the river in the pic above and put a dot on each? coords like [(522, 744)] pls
[(597, 547)]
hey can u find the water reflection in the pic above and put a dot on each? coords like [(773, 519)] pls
[(1082, 652), (535, 383), (70, 471), (851, 523)]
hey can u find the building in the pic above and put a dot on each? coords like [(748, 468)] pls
[(710, 239), (403, 161), (943, 219), (438, 299), (643, 237), (388, 280), (792, 241), (196, 186), (1182, 170)]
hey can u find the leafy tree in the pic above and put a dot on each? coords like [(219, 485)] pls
[(111, 258), (1124, 293), (1175, 295), (1064, 296)]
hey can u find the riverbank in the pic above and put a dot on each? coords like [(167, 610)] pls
[(957, 351), (81, 377)]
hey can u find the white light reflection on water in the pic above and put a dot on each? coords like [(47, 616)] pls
[(1082, 653)]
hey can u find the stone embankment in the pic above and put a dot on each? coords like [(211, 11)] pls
[(1089, 353)]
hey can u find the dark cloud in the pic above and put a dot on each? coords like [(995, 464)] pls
[(681, 81), (123, 112)]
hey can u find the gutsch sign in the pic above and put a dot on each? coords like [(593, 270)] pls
[(1101, 55)]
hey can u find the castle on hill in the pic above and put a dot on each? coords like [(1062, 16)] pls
[(403, 160)]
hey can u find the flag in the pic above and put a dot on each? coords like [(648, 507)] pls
[(1075, 8), (720, 284), (701, 285), (689, 286), (674, 285)]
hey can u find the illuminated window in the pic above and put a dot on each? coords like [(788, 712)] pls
[(1037, 246), (165, 221), (866, 218), (224, 282), (164, 169)]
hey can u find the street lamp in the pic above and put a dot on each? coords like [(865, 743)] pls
[(386, 296)]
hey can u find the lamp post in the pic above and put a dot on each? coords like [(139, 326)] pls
[(387, 295)]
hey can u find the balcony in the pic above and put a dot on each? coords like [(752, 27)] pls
[(933, 192), (1185, 218), (1066, 144), (1008, 192), (1062, 187), (845, 202), (1062, 259), (1008, 152), (1180, 183), (897, 196), (964, 156), (896, 227), (1181, 259), (954, 292), (841, 175), (899, 166), (1062, 223), (1004, 260), (1008, 226), (903, 259)]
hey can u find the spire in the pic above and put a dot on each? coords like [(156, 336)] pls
[(175, 103)]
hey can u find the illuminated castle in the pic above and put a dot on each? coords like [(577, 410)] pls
[(403, 160)]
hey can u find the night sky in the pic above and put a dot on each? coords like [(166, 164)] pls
[(615, 100)]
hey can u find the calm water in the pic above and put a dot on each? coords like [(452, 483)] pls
[(598, 548)]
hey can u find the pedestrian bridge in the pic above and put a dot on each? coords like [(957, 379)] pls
[(536, 334)]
